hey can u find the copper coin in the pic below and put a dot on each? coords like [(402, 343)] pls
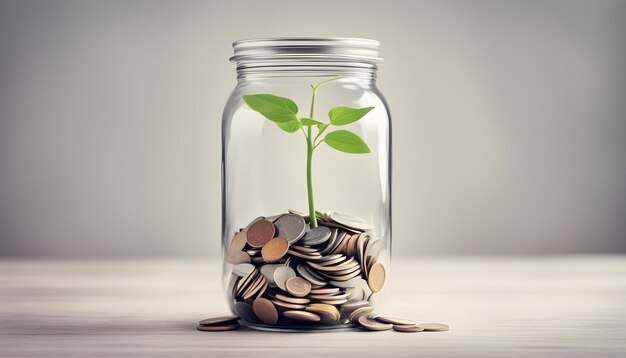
[(302, 316), (434, 327), (396, 321), (298, 286), (294, 300), (409, 328), (265, 310), (328, 313), (222, 320), (229, 327), (260, 233), (275, 249), (376, 277), (360, 312), (372, 325)]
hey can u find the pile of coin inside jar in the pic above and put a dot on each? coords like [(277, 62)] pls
[(286, 273)]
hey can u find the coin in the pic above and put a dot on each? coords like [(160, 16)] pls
[(260, 233), (434, 327), (287, 305), (372, 325), (275, 249), (349, 220), (397, 321), (260, 284), (376, 277), (243, 270), (222, 320), (315, 236), (290, 226), (265, 311), (238, 242), (325, 291), (302, 316), (359, 312), (294, 300), (308, 276), (268, 271), (327, 313), (409, 328), (221, 328), (281, 275), (298, 286)]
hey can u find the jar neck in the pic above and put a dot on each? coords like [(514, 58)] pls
[(286, 71)]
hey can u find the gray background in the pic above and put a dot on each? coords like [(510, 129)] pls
[(509, 121)]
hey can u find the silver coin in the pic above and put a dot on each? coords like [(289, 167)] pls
[(346, 284), (243, 270), (268, 271), (281, 275), (290, 226), (315, 236), (349, 220), (309, 277), (298, 212)]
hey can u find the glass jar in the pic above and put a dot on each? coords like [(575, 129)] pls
[(306, 134)]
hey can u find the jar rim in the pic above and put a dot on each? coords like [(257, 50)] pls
[(343, 49)]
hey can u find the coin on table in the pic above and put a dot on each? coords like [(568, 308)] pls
[(260, 233), (434, 327), (281, 275), (298, 286), (397, 321), (376, 277), (315, 236), (290, 226), (275, 249), (222, 320), (265, 311), (349, 220), (221, 328), (408, 328), (373, 325), (302, 316)]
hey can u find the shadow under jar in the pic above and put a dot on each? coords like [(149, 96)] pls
[(306, 196)]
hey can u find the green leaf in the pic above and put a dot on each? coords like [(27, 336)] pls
[(322, 127), (275, 108), (346, 141), (309, 122), (319, 214), (340, 116), (289, 127)]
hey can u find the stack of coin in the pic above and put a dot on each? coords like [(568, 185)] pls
[(286, 273)]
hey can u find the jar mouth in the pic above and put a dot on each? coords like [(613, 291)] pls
[(311, 49)]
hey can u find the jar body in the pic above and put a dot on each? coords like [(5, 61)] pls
[(264, 176)]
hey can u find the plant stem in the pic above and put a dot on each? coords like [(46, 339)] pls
[(309, 160), (310, 146)]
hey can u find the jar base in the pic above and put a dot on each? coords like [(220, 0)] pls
[(300, 329)]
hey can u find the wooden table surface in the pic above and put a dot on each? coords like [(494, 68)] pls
[(513, 307)]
